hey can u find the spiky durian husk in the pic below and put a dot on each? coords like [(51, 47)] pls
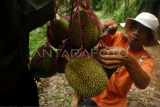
[(42, 65), (86, 76), (60, 32), (90, 32)]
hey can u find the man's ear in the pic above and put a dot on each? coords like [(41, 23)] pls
[(146, 40), (150, 37)]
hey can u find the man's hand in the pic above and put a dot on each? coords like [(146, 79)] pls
[(114, 57), (111, 24)]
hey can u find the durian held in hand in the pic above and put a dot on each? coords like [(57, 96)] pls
[(86, 76)]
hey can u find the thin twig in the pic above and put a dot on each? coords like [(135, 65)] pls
[(48, 103), (154, 98), (143, 103), (157, 92)]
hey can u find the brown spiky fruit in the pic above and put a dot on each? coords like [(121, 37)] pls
[(89, 30), (42, 63), (60, 31), (86, 76)]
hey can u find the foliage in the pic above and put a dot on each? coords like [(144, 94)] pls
[(130, 12), (96, 4), (37, 38), (105, 5), (117, 15), (132, 9)]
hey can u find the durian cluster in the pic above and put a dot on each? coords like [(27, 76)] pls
[(84, 74), (47, 66)]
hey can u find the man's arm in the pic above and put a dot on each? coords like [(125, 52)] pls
[(137, 74), (111, 59)]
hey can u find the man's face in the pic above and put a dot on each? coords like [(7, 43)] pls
[(138, 34)]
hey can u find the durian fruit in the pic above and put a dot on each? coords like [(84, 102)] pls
[(42, 63), (86, 76), (60, 31), (89, 30)]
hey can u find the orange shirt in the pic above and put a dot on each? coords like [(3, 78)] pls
[(120, 83)]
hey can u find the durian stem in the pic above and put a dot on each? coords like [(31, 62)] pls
[(66, 57)]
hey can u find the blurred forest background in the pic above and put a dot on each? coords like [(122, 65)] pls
[(117, 10)]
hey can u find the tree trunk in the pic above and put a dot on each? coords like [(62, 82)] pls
[(114, 5), (127, 4), (124, 10)]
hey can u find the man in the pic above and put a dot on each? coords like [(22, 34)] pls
[(17, 19), (124, 56)]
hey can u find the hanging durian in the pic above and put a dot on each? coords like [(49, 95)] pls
[(60, 31), (42, 63), (89, 30), (86, 76)]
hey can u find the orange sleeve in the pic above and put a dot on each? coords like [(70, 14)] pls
[(147, 65), (108, 39), (113, 39)]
